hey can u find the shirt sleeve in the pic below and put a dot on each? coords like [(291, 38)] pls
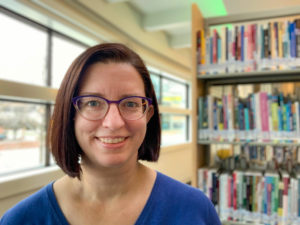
[(212, 216), (9, 218)]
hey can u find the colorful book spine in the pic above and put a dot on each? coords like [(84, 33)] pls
[(225, 112), (293, 46), (297, 118), (224, 211), (297, 33), (264, 114), (200, 113), (210, 112), (285, 202), (280, 198), (257, 115), (280, 41), (199, 47), (276, 43), (242, 45), (294, 198), (274, 113), (215, 47)]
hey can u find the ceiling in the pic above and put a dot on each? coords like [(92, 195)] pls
[(174, 16), (169, 18)]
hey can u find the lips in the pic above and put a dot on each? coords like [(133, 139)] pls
[(108, 140)]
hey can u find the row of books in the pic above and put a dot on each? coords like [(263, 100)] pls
[(260, 116), (255, 157), (249, 47), (252, 197)]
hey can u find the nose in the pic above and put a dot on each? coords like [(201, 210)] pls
[(113, 119)]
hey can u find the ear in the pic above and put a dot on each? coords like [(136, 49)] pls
[(150, 113)]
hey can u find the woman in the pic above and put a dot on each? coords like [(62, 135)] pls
[(105, 120)]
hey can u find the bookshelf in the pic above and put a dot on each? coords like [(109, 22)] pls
[(250, 143), (270, 182), (251, 77)]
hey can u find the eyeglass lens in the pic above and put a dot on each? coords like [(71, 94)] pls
[(94, 108)]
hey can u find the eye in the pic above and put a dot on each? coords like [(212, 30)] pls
[(93, 103), (131, 104)]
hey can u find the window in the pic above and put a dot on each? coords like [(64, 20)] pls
[(25, 48), (174, 129), (174, 94), (39, 56), (173, 98), (22, 135), (156, 83), (63, 54)]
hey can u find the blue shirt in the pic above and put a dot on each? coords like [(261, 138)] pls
[(170, 203)]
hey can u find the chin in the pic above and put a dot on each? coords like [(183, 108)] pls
[(115, 161)]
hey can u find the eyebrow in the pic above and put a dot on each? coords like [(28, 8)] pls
[(101, 95)]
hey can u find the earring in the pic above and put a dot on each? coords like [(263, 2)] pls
[(79, 159)]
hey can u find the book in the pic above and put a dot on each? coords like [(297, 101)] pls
[(292, 27), (200, 117), (224, 210), (297, 33), (199, 47)]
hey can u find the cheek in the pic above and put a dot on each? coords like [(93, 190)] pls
[(82, 127), (139, 128)]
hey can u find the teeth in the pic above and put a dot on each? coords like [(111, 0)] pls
[(112, 140)]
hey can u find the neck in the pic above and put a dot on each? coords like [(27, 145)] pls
[(107, 184)]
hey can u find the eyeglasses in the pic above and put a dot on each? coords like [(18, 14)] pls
[(93, 107)]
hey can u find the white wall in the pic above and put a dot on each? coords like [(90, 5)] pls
[(18, 186)]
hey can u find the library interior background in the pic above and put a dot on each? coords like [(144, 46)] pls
[(226, 74)]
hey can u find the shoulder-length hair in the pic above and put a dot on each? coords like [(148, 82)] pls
[(61, 138)]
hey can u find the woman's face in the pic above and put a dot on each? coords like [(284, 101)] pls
[(111, 141)]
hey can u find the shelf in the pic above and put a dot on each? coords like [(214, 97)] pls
[(251, 77), (252, 143), (240, 223)]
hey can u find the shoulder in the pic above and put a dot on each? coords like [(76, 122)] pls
[(27, 209), (179, 189), (189, 202)]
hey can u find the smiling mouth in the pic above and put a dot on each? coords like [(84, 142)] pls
[(112, 140)]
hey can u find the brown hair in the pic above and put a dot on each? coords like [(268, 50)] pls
[(61, 135)]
